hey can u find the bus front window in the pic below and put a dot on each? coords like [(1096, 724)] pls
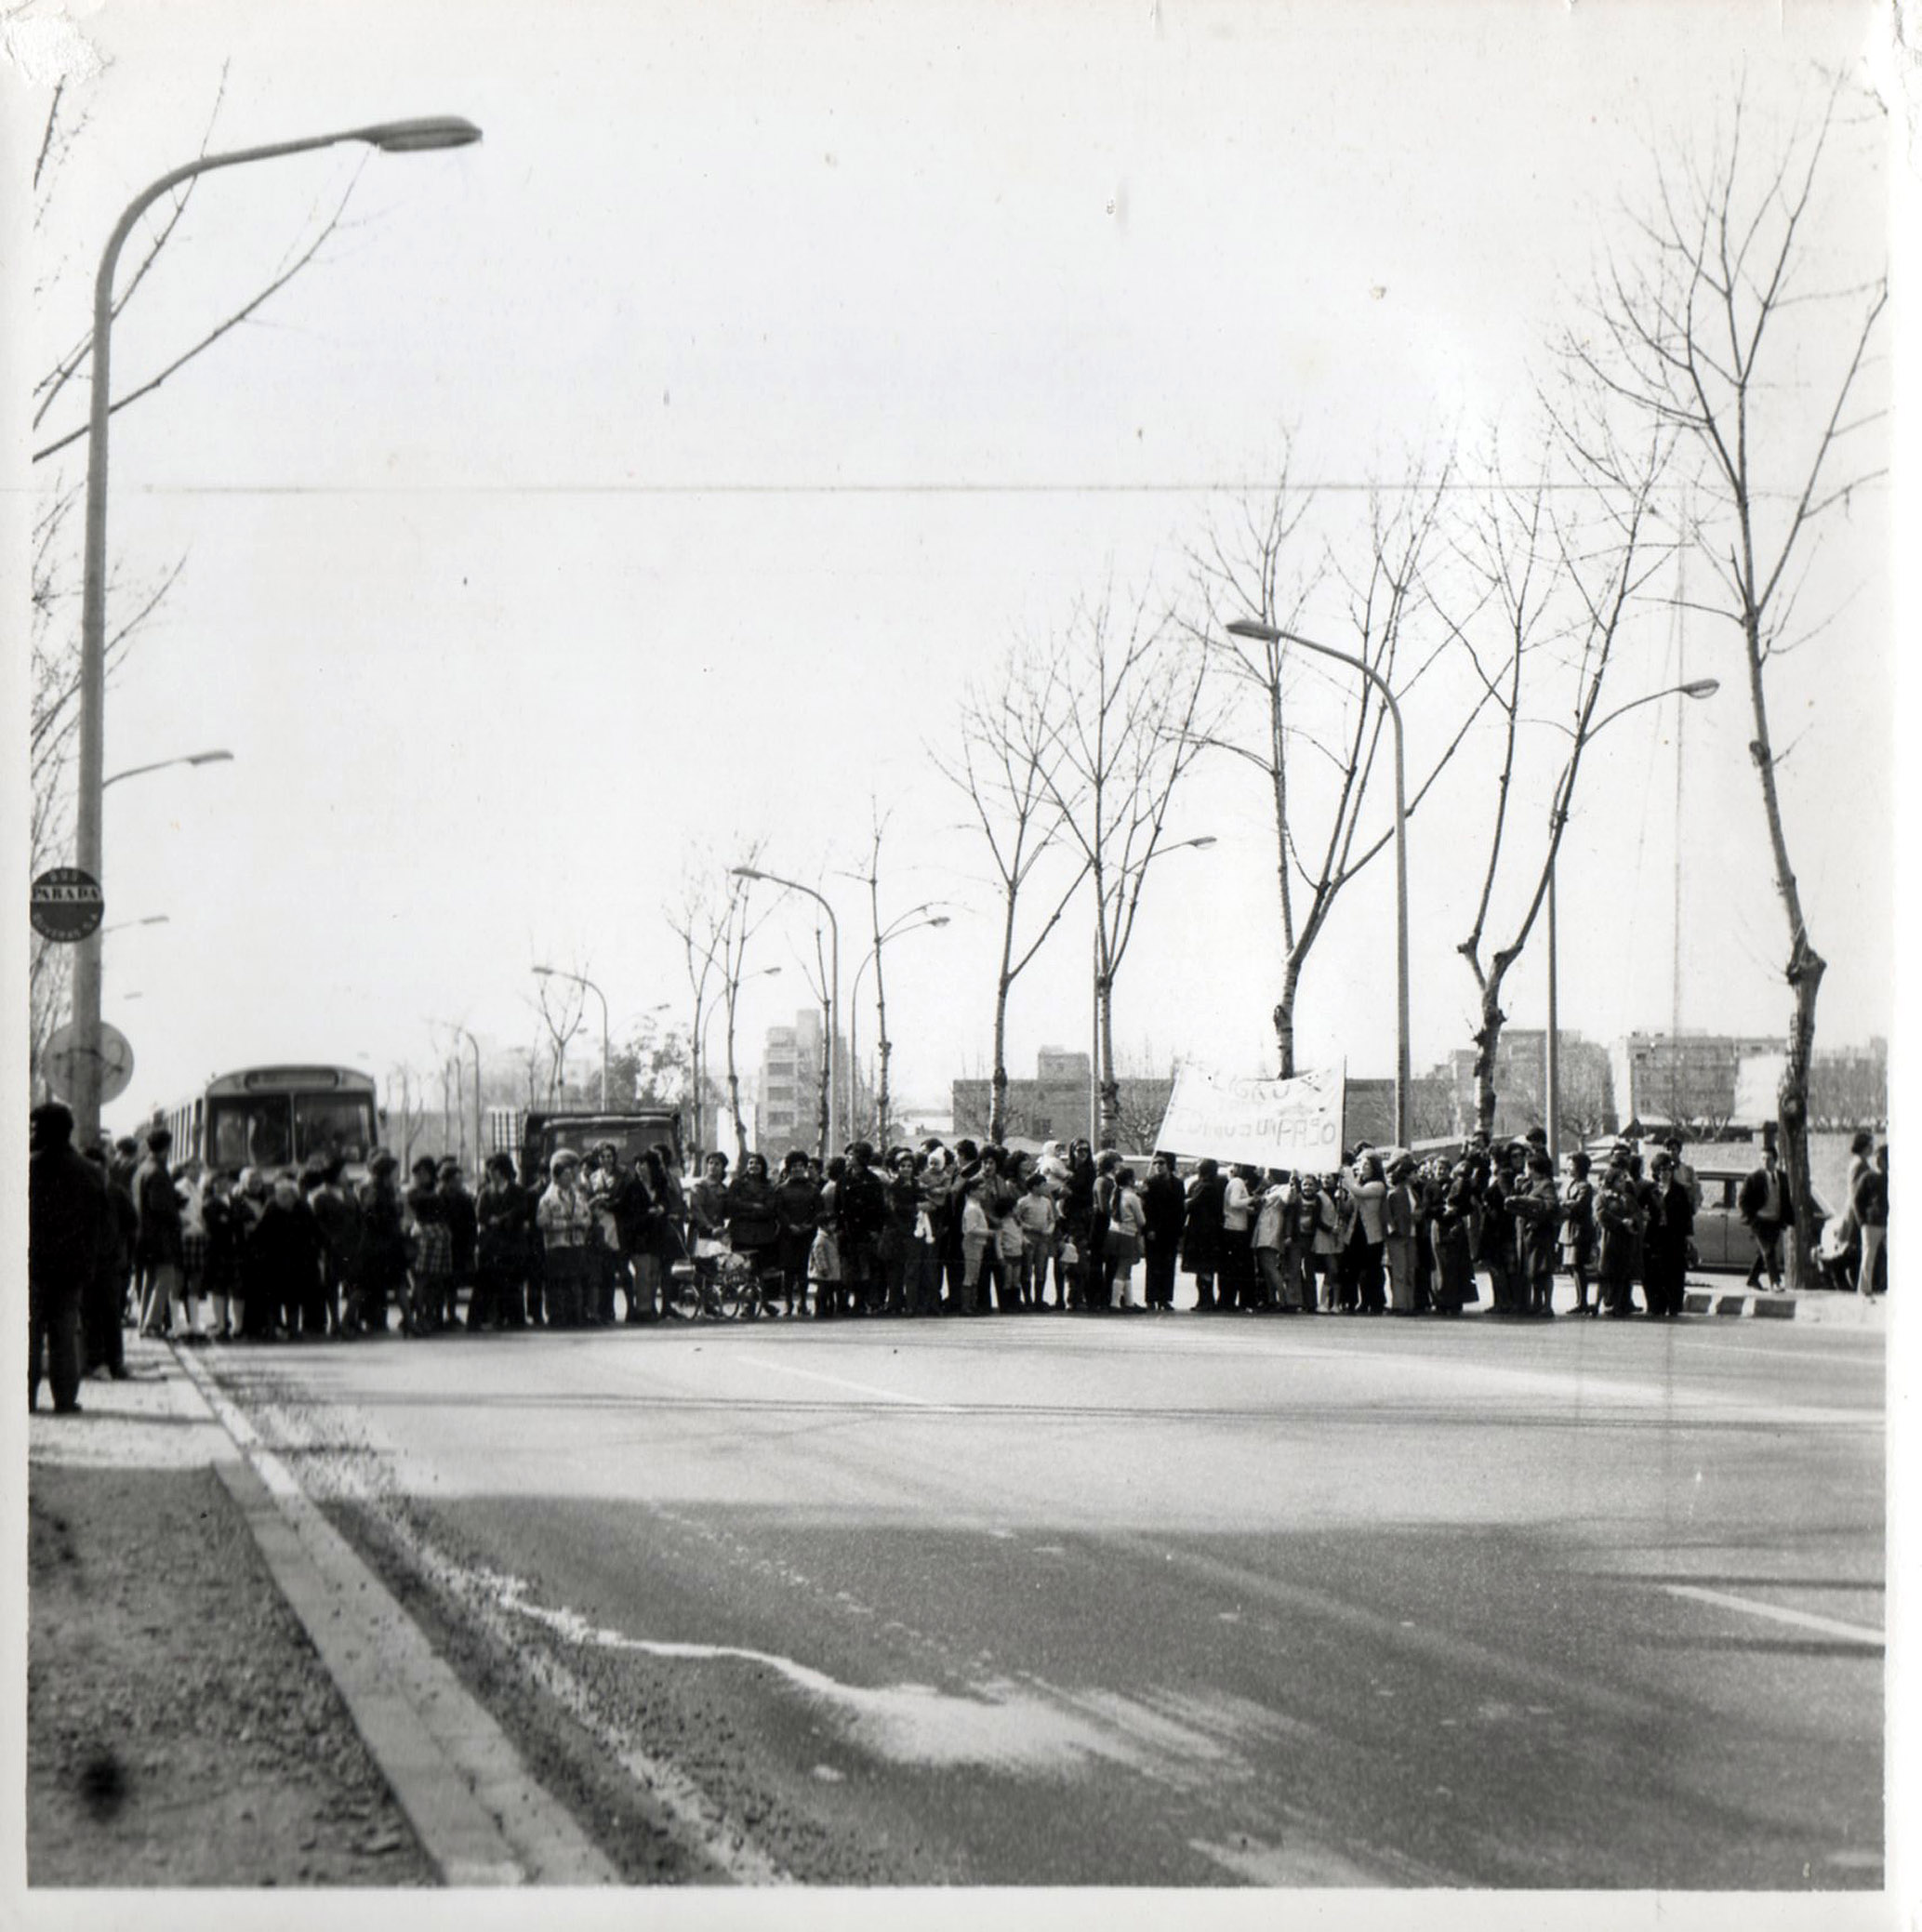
[(333, 1127), (252, 1132)]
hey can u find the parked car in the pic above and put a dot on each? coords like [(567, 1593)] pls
[(1722, 1239)]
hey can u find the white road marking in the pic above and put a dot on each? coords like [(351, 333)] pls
[(1805, 1619), (839, 1381)]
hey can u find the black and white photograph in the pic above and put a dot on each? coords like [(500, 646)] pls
[(963, 955)]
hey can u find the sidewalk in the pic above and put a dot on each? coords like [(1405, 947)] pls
[(181, 1728)]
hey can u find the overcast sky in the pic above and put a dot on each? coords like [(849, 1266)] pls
[(652, 476)]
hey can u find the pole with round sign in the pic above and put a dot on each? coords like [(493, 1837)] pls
[(66, 905)]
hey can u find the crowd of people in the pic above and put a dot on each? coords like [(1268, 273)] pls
[(196, 1255)]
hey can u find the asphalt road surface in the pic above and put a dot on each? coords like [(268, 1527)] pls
[(1149, 1600)]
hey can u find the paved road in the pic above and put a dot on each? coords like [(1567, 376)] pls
[(1150, 1600)]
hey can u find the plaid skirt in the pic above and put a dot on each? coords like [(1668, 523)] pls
[(192, 1260)]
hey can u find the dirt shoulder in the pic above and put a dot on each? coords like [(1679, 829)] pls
[(181, 1730)]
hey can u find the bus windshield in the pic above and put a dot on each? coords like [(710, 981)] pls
[(256, 1132), (333, 1127)]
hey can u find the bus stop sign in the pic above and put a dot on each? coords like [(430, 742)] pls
[(66, 905), (61, 1057)]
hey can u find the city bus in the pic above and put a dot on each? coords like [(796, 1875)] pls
[(279, 1117)]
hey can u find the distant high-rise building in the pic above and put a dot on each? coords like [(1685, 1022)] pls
[(790, 1111)]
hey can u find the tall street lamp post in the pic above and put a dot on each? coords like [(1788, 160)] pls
[(580, 980), (910, 922), (834, 1114), (392, 137), (1699, 688), (1270, 634)]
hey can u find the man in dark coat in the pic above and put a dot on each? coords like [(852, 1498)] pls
[(1165, 1205), (160, 1246), (67, 1227), (103, 1301), (1767, 1206)]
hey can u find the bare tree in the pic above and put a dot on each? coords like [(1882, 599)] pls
[(1716, 328), (1560, 592), (739, 926), (1008, 763), (1257, 564), (562, 1000), (712, 922), (1131, 725)]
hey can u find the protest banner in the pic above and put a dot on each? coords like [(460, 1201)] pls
[(1286, 1124)]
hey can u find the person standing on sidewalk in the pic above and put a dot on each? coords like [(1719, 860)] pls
[(159, 1249), (67, 1228), (103, 1301), (1869, 1198), (1767, 1206), (566, 1221)]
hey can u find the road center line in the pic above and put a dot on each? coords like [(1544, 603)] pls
[(840, 1382), (1806, 1620)]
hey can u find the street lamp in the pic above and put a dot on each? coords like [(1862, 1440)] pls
[(580, 980), (910, 921), (1270, 634), (390, 136), (191, 758), (1102, 982), (834, 1115), (1697, 688)]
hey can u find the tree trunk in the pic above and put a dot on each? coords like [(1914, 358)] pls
[(1805, 969), (1284, 1018), (1109, 1111), (1488, 1039)]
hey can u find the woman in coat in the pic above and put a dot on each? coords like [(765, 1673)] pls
[(1201, 1233), (1165, 1209), (753, 1217), (1453, 1237), (1578, 1232)]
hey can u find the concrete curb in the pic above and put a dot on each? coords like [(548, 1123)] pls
[(480, 1816), (1787, 1304)]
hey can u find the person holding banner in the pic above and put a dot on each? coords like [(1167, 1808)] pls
[(1370, 1192), (1236, 1238)]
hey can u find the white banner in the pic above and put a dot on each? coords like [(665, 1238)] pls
[(1291, 1124)]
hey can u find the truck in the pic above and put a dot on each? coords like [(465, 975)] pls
[(633, 1130)]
